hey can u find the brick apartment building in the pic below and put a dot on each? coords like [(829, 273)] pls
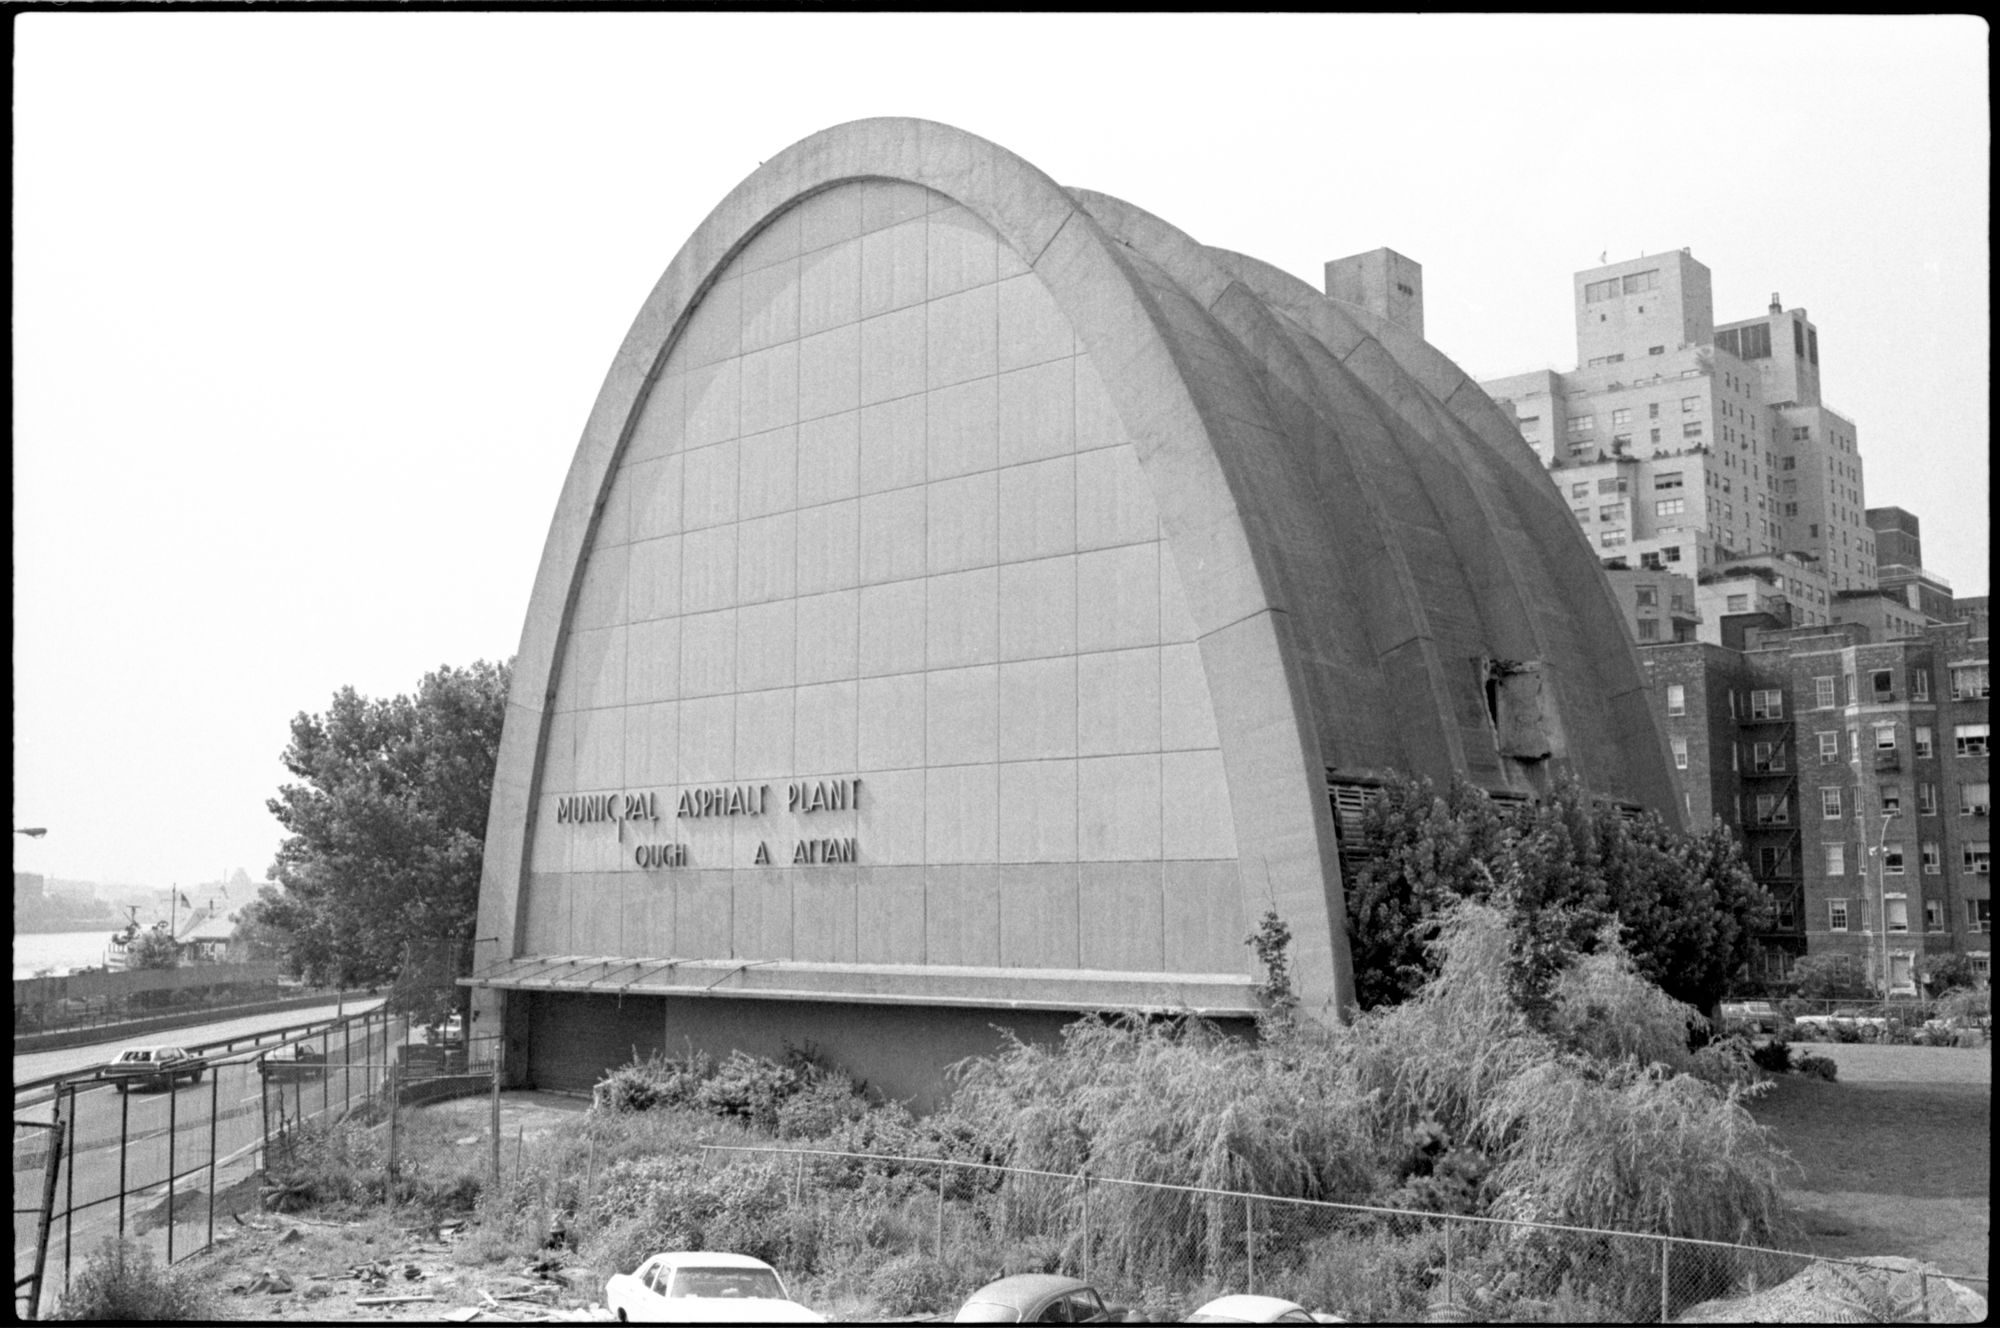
[(1856, 772)]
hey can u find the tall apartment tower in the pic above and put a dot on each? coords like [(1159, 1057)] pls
[(1683, 447), (1899, 564)]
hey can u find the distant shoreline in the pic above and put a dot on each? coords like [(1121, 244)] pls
[(41, 927)]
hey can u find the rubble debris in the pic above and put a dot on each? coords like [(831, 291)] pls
[(270, 1280), (392, 1300)]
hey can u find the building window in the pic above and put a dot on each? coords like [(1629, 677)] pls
[(1836, 915), (1767, 757), (1836, 859), (1772, 809), (1969, 683), (1739, 604), (1611, 539), (1829, 747), (1933, 859), (1620, 441), (1582, 424), (1639, 282), (1975, 799), (1690, 404), (1691, 430), (1982, 964), (1668, 479), (1971, 739), (1767, 704), (1646, 596), (1680, 753), (1823, 697), (1898, 909), (1892, 799), (1829, 803), (1978, 858), (1677, 699), (1580, 490), (1884, 681), (1920, 685), (1622, 415), (1596, 292), (1649, 629), (1979, 914), (1774, 862), (1652, 410), (1669, 506), (1672, 553), (1933, 912), (1885, 737), (1892, 859), (1927, 802), (1854, 744), (1611, 486), (1924, 741)]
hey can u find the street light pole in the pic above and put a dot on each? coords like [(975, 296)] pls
[(1879, 853)]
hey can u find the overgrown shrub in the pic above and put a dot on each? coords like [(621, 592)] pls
[(912, 1284), (1819, 1067), (121, 1283), (750, 1087), (658, 1081), (1774, 1056)]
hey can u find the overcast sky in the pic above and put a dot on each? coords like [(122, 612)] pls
[(309, 309)]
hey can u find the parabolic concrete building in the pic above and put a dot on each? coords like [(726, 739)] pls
[(973, 601)]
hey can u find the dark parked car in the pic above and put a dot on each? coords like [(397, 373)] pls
[(152, 1067), (1038, 1298)]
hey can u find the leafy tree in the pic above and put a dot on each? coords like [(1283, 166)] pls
[(387, 825), (1688, 909), (1832, 977), (153, 947), (1950, 972)]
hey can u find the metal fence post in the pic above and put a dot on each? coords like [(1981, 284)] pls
[(173, 1130), (496, 1121), (325, 1092), (1666, 1249), (264, 1107), (69, 1190), (392, 1134), (214, 1123), (940, 1212), (124, 1139), (347, 1066), (1086, 1226), (1249, 1245)]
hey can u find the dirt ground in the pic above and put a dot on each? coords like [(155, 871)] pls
[(284, 1268), (1897, 1152)]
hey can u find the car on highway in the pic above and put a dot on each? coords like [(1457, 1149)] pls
[(705, 1287), (1258, 1309), (298, 1061), (152, 1067), (1038, 1298)]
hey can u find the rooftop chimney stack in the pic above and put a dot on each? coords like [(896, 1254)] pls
[(1776, 307)]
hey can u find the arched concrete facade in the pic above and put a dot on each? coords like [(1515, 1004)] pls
[(1296, 543)]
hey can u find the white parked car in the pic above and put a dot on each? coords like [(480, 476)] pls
[(703, 1288), (1258, 1309)]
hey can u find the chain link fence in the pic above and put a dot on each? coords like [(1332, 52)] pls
[(166, 1166), (1159, 1252)]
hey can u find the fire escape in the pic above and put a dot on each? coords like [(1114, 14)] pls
[(1767, 765)]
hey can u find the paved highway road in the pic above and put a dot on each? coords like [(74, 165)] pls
[(124, 1142), (42, 1064)]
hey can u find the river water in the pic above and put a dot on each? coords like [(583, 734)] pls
[(59, 951)]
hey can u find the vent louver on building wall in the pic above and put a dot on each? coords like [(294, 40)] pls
[(1351, 799)]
